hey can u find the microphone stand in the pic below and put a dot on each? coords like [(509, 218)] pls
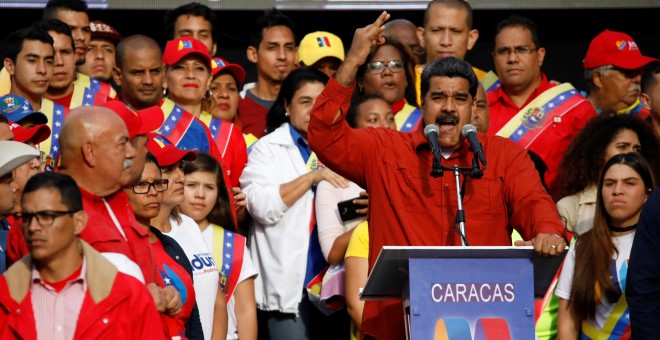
[(475, 171)]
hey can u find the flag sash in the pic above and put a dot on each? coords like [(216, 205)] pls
[(408, 118), (228, 252), (541, 113), (490, 81), (220, 131), (55, 113), (176, 115)]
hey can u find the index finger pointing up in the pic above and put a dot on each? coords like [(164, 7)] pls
[(381, 19)]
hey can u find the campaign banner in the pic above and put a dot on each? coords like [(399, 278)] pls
[(466, 298)]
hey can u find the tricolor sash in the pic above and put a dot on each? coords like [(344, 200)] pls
[(250, 139), (541, 113), (85, 96), (96, 85), (177, 121), (220, 131), (490, 82), (228, 251), (55, 114), (408, 118), (617, 324)]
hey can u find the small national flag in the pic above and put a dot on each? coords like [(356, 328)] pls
[(183, 44), (323, 41)]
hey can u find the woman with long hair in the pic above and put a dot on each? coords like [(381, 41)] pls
[(185, 231), (593, 278), (172, 262), (279, 179), (602, 138), (206, 201), (388, 72)]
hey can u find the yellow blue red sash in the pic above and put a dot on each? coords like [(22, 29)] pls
[(408, 118), (541, 113), (55, 114), (490, 81), (85, 96), (177, 121), (96, 85), (228, 252), (220, 131), (250, 139)]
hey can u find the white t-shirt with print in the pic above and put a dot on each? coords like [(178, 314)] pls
[(248, 270), (206, 278), (603, 311)]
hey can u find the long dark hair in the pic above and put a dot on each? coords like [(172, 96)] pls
[(595, 249), (585, 155), (408, 65), (221, 214), (292, 83)]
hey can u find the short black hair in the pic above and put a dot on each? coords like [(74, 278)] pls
[(54, 6), (56, 26), (152, 159), (14, 43), (3, 119), (649, 81), (269, 19), (354, 108), (195, 9), (450, 67), (515, 20), (69, 192), (453, 4)]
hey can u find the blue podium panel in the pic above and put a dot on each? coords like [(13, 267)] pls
[(467, 298)]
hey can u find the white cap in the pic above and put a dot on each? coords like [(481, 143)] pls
[(14, 154)]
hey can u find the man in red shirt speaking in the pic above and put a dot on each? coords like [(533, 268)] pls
[(407, 205)]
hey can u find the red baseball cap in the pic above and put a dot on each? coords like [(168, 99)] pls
[(140, 122), (617, 49), (166, 153), (219, 64), (177, 49), (35, 134)]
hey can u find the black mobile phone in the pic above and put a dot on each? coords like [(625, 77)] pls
[(348, 209)]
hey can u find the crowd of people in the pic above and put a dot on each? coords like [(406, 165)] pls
[(153, 193)]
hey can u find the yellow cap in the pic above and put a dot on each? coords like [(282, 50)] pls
[(318, 45)]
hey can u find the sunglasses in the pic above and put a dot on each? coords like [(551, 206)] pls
[(377, 67)]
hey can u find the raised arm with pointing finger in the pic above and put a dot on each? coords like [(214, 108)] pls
[(409, 207)]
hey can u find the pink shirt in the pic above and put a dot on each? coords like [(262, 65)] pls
[(56, 314)]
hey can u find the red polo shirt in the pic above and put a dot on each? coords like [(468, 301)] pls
[(410, 208), (551, 144)]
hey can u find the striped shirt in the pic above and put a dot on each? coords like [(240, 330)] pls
[(56, 314)]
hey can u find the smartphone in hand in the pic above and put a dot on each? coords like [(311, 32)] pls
[(348, 209)]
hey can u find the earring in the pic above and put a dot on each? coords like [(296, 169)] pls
[(286, 114), (208, 95), (164, 91)]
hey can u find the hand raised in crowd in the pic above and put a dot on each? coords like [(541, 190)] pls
[(363, 40), (363, 201), (545, 244), (173, 301), (336, 180), (158, 294)]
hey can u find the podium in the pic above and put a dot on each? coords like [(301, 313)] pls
[(463, 292)]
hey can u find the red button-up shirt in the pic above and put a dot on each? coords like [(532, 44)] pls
[(551, 144), (410, 208)]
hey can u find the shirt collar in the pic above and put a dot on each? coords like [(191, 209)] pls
[(36, 277), (297, 138), (500, 95)]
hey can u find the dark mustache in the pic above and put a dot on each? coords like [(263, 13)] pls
[(444, 117)]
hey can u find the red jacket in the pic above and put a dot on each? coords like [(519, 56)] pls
[(408, 207), (116, 306)]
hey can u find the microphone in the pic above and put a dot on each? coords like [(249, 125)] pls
[(431, 132), (470, 132)]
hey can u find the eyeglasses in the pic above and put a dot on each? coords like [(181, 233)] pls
[(377, 67), (630, 74), (518, 50), (159, 185), (45, 218)]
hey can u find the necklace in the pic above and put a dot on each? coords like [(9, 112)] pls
[(622, 230)]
